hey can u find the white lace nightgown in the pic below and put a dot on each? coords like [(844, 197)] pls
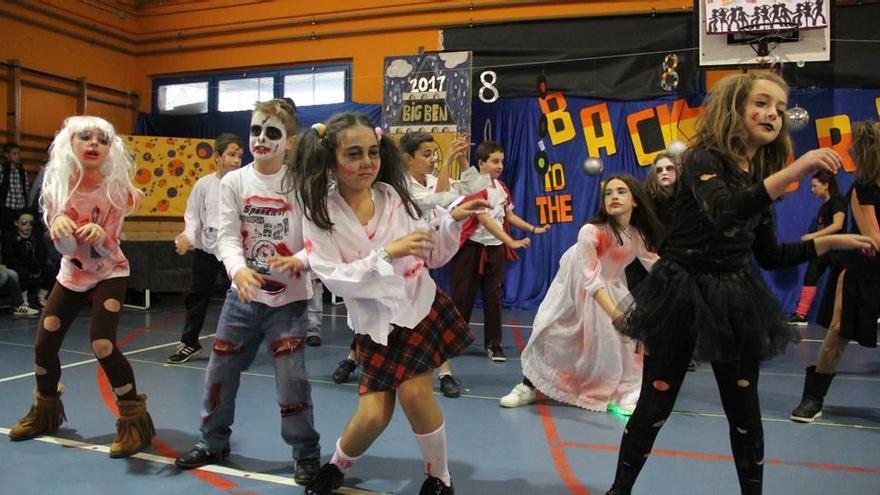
[(574, 354)]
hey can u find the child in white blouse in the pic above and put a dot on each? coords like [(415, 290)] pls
[(367, 241)]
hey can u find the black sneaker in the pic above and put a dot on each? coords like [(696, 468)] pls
[(329, 478), (450, 386), (313, 340), (344, 370), (433, 486), (496, 353), (198, 457), (183, 353), (796, 319), (306, 470), (692, 366)]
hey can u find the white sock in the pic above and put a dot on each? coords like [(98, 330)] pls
[(433, 447), (342, 460)]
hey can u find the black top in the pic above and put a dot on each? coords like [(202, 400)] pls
[(663, 209), (868, 195), (835, 204), (723, 216)]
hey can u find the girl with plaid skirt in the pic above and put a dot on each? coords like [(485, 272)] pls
[(367, 242)]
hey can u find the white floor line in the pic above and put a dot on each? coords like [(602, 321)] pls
[(93, 360), (270, 478)]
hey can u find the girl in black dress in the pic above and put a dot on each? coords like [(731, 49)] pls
[(856, 313), (702, 298)]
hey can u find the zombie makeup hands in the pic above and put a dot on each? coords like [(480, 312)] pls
[(816, 160), (91, 233), (458, 150), (518, 243), (413, 244), (285, 263), (182, 244), (61, 227), (268, 137), (248, 283)]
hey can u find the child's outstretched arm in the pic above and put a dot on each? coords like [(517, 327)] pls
[(514, 220), (498, 232), (838, 219)]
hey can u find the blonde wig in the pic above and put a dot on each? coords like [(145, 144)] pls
[(64, 172)]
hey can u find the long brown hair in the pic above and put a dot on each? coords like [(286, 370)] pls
[(866, 152), (643, 217), (316, 156), (721, 127)]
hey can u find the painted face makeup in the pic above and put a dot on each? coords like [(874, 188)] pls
[(357, 158), (229, 160), (763, 112), (25, 225), (91, 147), (618, 198), (665, 171), (267, 138)]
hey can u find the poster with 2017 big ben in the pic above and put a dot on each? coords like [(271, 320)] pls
[(429, 92)]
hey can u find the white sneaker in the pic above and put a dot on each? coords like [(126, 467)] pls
[(25, 311), (521, 395)]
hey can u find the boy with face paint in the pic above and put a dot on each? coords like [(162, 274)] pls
[(202, 219), (25, 253), (260, 242)]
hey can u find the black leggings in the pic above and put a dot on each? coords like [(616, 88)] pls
[(61, 308), (661, 382)]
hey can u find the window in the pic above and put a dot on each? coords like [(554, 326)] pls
[(240, 94), (183, 99), (233, 92), (317, 88)]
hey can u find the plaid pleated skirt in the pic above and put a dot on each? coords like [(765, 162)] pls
[(441, 335)]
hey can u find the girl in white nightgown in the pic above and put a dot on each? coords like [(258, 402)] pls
[(574, 354)]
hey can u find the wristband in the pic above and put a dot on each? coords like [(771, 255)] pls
[(383, 255)]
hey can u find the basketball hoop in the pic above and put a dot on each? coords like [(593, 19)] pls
[(764, 37)]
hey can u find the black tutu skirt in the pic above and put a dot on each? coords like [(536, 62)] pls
[(723, 315)]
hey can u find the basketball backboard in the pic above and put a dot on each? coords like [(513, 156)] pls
[(794, 31)]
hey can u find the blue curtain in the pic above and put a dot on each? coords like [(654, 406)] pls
[(515, 123)]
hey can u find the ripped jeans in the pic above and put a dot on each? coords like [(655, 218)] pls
[(240, 330), (661, 382)]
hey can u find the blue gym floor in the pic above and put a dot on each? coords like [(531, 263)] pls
[(542, 449)]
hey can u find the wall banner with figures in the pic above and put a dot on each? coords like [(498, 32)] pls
[(166, 169)]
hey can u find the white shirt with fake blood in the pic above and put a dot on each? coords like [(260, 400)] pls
[(202, 214), (258, 221), (378, 293), (500, 205)]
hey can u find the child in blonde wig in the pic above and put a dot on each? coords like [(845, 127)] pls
[(87, 191)]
